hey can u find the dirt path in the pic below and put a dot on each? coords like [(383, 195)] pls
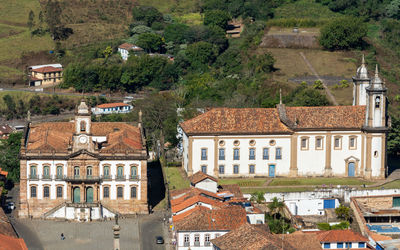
[(328, 92)]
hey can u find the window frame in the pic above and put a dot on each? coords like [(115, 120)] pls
[(122, 192), (266, 157), (354, 147), (31, 187), (62, 191), (341, 246), (35, 175), (77, 169), (62, 171), (349, 245), (186, 240), (361, 245), (254, 168), (306, 139), (337, 137), (131, 193), (219, 169), (108, 192), (133, 171), (44, 191), (327, 245), (280, 153), (89, 171), (120, 177), (254, 154), (201, 168), (238, 155), (104, 170), (219, 154), (321, 147), (204, 157), (207, 238), (46, 176), (236, 165), (197, 242)]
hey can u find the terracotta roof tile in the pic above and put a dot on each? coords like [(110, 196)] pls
[(11, 243), (227, 218), (129, 46), (112, 105), (233, 188), (236, 121), (47, 69), (267, 121), (250, 237), (5, 225), (330, 117), (340, 236), (303, 241), (200, 176), (378, 237), (57, 136)]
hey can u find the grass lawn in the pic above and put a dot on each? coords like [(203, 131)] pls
[(390, 185), (304, 9), (318, 181), (17, 11), (244, 182), (175, 178), (276, 190)]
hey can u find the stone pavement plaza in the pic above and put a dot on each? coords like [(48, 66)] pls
[(85, 236)]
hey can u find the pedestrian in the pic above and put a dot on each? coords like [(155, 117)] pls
[(62, 236)]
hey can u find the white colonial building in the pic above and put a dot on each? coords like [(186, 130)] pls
[(343, 141), (83, 170)]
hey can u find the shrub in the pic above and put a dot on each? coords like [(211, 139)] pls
[(343, 33), (318, 85), (324, 226), (217, 17)]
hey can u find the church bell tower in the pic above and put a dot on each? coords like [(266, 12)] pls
[(360, 83), (83, 124), (377, 103)]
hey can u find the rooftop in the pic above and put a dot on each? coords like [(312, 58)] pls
[(112, 105), (224, 121), (200, 176), (129, 46), (47, 69), (340, 236)]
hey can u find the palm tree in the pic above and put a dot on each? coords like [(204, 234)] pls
[(258, 197), (276, 207)]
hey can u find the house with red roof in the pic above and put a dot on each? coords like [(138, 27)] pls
[(336, 141), (126, 48), (45, 74), (112, 108), (342, 239)]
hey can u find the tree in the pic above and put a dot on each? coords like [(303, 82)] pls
[(150, 42), (258, 197), (9, 101), (9, 151), (343, 212), (160, 117), (147, 14), (140, 29), (304, 96), (394, 137), (276, 207), (200, 54), (217, 17), (176, 32), (262, 63), (343, 33), (31, 20), (393, 9), (107, 52)]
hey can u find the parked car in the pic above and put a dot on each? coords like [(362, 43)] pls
[(11, 206), (159, 240)]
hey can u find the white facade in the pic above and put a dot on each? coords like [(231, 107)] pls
[(112, 110), (344, 245), (208, 185), (186, 239), (124, 53), (308, 206)]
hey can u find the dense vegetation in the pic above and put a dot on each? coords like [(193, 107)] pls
[(9, 150)]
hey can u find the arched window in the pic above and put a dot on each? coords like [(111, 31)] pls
[(59, 172), (46, 192), (133, 192), (133, 171), (89, 171), (106, 171), (83, 126), (377, 102), (76, 171), (46, 172), (120, 172), (33, 172), (33, 192)]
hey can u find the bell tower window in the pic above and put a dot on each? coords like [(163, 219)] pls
[(83, 126), (377, 102)]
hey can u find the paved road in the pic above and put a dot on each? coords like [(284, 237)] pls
[(150, 227)]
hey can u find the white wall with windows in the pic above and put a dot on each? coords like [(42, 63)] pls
[(344, 245), (197, 240)]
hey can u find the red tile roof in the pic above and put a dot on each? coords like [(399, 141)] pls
[(129, 46), (185, 202), (223, 121), (227, 218), (303, 241), (47, 69), (330, 117), (5, 225), (112, 105), (250, 237), (2, 172), (57, 137), (340, 236), (232, 188), (200, 176), (11, 243)]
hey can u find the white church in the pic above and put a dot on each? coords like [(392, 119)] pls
[(340, 141)]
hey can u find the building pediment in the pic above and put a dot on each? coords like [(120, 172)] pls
[(83, 154), (352, 158)]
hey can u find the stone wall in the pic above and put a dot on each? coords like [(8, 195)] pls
[(376, 202)]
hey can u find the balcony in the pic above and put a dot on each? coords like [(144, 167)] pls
[(106, 177), (46, 177), (84, 178), (120, 177), (33, 177), (134, 177)]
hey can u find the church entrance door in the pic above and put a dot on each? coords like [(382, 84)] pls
[(77, 195), (89, 195), (352, 169), (271, 171)]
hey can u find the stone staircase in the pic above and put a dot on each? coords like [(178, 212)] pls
[(44, 216)]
